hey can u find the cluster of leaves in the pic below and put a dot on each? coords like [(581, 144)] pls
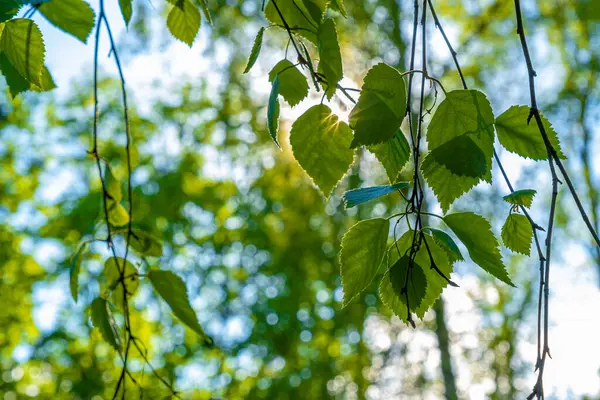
[(22, 62), (121, 275), (460, 138), (22, 50)]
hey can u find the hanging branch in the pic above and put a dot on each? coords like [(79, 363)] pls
[(535, 227), (121, 267)]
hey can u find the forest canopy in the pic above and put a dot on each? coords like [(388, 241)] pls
[(299, 199)]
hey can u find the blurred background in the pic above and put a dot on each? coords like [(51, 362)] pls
[(257, 244)]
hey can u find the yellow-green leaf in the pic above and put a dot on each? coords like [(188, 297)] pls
[(522, 197), (517, 234), (519, 136), (393, 155), (113, 267), (330, 58), (321, 145), (476, 234), (144, 243), (363, 248), (292, 84), (24, 47), (183, 21), (381, 107)]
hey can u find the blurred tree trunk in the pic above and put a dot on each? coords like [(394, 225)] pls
[(441, 331)]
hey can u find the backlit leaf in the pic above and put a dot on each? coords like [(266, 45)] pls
[(24, 47), (462, 157), (517, 136), (381, 107), (183, 21), (461, 112), (522, 197), (292, 84), (355, 197), (393, 155), (393, 283), (435, 283), (517, 234), (173, 291), (321, 145), (75, 17), (330, 58), (476, 234), (363, 249)]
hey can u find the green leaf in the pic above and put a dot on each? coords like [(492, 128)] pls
[(381, 107), (462, 157), (126, 10), (363, 248), (330, 63), (16, 83), (8, 9), (522, 197), (172, 289), (446, 186), (446, 183), (393, 155), (103, 320), (461, 112), (144, 243), (517, 136), (117, 214), (273, 111), (476, 234), (355, 197), (446, 242), (75, 17), (112, 185), (297, 15), (183, 21), (204, 6), (24, 47), (112, 268), (255, 50), (293, 85), (392, 285), (46, 81), (517, 234), (321, 145), (76, 269), (339, 6), (435, 283)]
